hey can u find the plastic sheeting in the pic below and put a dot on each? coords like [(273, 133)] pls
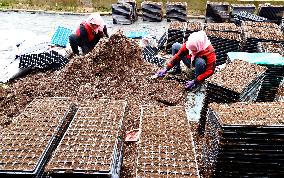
[(258, 58), (13, 44), (17, 43)]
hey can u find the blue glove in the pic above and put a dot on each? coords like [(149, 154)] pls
[(190, 84), (162, 72)]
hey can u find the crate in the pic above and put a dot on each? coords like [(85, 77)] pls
[(152, 11), (249, 145)]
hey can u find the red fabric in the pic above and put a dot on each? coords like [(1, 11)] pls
[(210, 60), (88, 29)]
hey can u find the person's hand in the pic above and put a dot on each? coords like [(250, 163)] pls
[(190, 84), (161, 73)]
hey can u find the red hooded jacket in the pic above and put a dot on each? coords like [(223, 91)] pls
[(208, 54), (89, 31)]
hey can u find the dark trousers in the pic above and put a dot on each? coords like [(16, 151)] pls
[(199, 63)]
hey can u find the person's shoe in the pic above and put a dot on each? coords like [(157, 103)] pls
[(174, 70)]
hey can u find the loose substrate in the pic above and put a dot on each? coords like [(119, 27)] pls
[(113, 70)]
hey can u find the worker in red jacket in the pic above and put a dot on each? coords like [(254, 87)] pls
[(196, 52), (88, 34)]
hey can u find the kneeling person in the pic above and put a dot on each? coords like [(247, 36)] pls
[(88, 34), (198, 52)]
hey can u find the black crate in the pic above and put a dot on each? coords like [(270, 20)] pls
[(243, 148), (152, 11), (176, 11), (272, 12), (122, 14)]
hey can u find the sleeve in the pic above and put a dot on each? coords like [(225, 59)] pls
[(177, 57), (209, 70)]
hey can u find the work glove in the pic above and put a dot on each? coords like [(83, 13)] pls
[(161, 73), (190, 84)]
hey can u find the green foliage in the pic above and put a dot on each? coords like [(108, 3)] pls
[(4, 3)]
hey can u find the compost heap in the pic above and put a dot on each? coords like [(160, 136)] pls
[(114, 70)]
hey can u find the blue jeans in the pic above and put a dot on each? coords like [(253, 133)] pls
[(199, 63)]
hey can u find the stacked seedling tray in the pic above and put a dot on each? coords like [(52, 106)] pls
[(270, 47), (166, 147), (272, 12), (247, 16), (236, 8), (255, 32), (150, 54), (224, 37), (217, 12), (280, 92), (27, 143), (122, 13), (180, 31), (152, 11), (271, 82), (245, 140), (273, 76), (133, 5), (192, 27), (238, 81), (176, 33), (282, 25), (176, 11), (92, 145)]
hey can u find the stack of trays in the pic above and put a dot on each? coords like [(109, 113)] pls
[(122, 13), (247, 16), (27, 143), (255, 32), (217, 12), (236, 8), (273, 76), (176, 11), (180, 31), (192, 27), (271, 82), (176, 33), (280, 92), (273, 12), (245, 140), (150, 54), (166, 147), (133, 5), (282, 25), (92, 144), (152, 11), (224, 37), (270, 47), (238, 81)]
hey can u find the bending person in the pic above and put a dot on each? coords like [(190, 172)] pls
[(196, 52), (88, 34)]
